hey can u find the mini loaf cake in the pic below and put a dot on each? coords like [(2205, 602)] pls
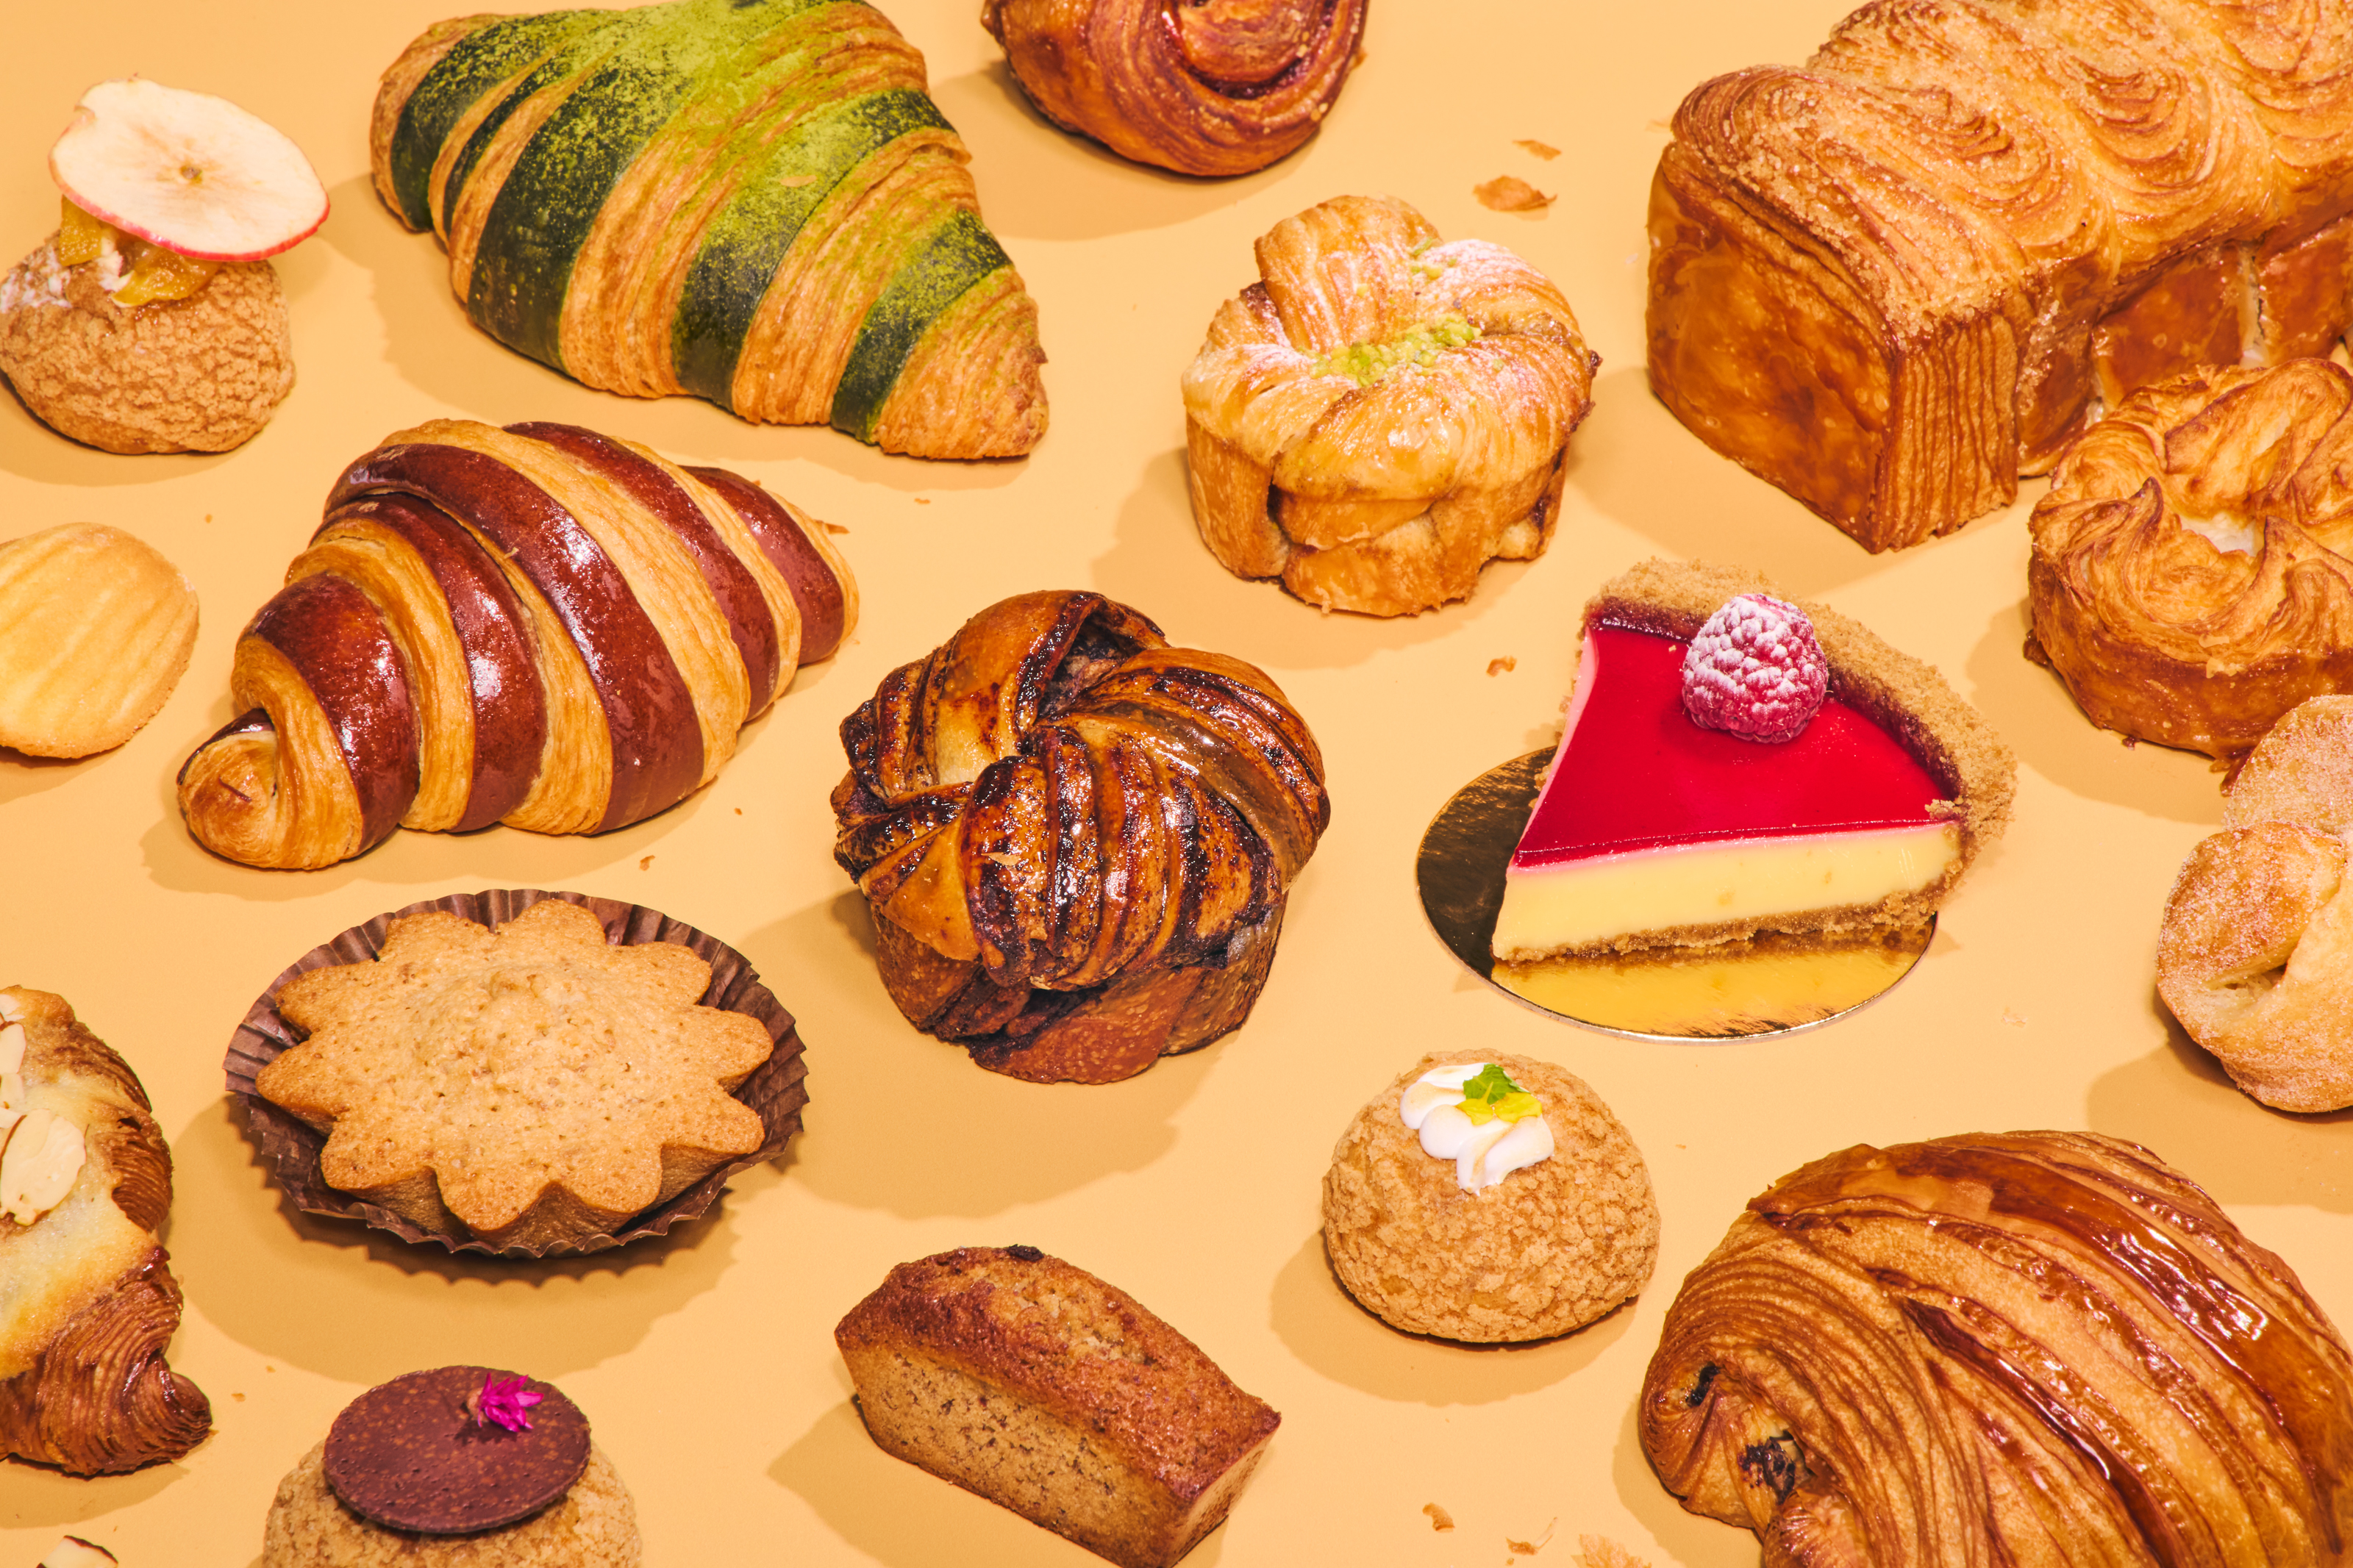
[(1382, 414), (87, 1303), (1734, 763), (531, 1088), (2192, 573), (1076, 840), (95, 630), (2255, 953), (1485, 1197), (462, 1467), (1047, 1391)]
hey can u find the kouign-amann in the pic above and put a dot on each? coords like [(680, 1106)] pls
[(532, 1087)]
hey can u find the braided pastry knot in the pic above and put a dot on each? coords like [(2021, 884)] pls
[(1076, 839), (1215, 87), (538, 626), (1382, 414), (2045, 1349)]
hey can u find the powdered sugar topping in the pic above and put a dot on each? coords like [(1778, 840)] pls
[(1756, 670)]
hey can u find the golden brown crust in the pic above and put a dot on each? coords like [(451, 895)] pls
[(1550, 1248), (95, 629), (1117, 1431), (2035, 1347), (400, 78), (1364, 326), (2187, 582), (1219, 90)]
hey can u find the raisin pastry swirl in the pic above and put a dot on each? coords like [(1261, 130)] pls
[(1382, 415), (1076, 840), (2035, 1348), (90, 1303), (2192, 570), (1217, 88), (538, 626)]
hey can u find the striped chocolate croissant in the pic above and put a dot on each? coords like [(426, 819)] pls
[(538, 626), (753, 201)]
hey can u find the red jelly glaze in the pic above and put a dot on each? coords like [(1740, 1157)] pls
[(1636, 773)]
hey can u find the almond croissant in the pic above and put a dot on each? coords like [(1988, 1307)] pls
[(1076, 840), (538, 626), (2042, 1350)]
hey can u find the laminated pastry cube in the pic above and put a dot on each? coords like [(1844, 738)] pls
[(1047, 1391)]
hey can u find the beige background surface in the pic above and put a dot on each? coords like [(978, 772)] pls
[(706, 1363)]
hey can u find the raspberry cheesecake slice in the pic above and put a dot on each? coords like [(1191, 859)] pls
[(1735, 764)]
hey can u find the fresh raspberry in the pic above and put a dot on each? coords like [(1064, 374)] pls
[(1756, 670)]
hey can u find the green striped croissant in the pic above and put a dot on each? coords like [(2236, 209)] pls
[(753, 201)]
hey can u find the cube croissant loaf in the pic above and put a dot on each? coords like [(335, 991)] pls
[(1895, 279)]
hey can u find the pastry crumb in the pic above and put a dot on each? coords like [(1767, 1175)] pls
[(831, 526), (1502, 665), (1540, 149), (2015, 1020), (922, 500), (1510, 193), (645, 862), (1438, 1517), (1530, 1548), (1599, 1552)]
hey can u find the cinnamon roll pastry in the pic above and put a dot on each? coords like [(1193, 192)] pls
[(1217, 88), (90, 1303), (2255, 955), (1963, 229), (538, 626), (2033, 1348), (2193, 571), (753, 201), (1382, 414), (1075, 839)]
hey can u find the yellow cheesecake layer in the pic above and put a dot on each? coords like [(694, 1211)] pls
[(1580, 903)]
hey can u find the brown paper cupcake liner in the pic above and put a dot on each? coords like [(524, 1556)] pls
[(776, 1090)]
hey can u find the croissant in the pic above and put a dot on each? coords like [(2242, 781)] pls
[(1075, 839), (2255, 953), (90, 1302), (1894, 280), (1219, 89), (753, 201), (2193, 571), (538, 626), (1382, 414), (2037, 1349)]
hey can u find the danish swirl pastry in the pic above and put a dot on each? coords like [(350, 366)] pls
[(538, 626)]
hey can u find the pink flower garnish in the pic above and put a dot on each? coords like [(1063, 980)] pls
[(503, 1403), (1756, 670)]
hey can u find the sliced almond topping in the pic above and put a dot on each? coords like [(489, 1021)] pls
[(12, 1047), (73, 1552), (39, 1165), (12, 1006), (14, 1095)]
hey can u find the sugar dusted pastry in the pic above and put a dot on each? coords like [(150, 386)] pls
[(1076, 841), (95, 629), (2192, 572), (90, 1302), (538, 626), (1033, 1384), (530, 1088), (2255, 953), (1895, 278), (1382, 414), (1202, 89), (150, 321), (2033, 1347), (1489, 1197)]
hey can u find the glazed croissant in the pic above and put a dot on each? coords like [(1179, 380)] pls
[(2192, 572), (753, 201), (90, 1302), (2038, 1349), (1076, 840), (1217, 88), (538, 626), (1896, 280), (1382, 415)]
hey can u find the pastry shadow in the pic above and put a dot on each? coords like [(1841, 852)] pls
[(32, 450), (39, 1497), (902, 1517), (2031, 708), (854, 1148), (2178, 1101), (290, 1285), (1315, 1316), (1159, 563), (1691, 1540), (23, 774)]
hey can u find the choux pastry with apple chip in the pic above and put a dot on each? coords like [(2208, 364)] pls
[(95, 630)]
